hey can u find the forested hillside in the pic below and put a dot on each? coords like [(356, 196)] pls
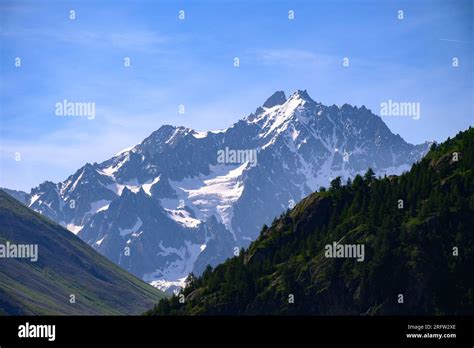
[(418, 234)]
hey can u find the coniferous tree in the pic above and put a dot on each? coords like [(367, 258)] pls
[(369, 176), (336, 183)]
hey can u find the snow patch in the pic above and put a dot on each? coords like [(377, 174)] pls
[(215, 193), (111, 170), (99, 242), (34, 199), (147, 186), (175, 272), (97, 206), (105, 207), (124, 150), (183, 217), (164, 285), (125, 231), (200, 135), (118, 188), (74, 228)]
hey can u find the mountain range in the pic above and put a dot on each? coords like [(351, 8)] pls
[(183, 199), (404, 246)]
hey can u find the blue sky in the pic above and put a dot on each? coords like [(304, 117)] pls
[(190, 62)]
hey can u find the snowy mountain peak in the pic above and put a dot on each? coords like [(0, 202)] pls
[(298, 108), (279, 105), (179, 207), (301, 94), (161, 135)]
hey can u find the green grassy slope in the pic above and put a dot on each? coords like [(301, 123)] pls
[(66, 265)]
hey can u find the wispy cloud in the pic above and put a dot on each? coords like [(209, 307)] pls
[(457, 41), (292, 57), (130, 39)]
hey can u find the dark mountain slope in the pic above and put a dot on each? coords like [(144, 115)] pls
[(66, 265), (21, 196), (410, 227)]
